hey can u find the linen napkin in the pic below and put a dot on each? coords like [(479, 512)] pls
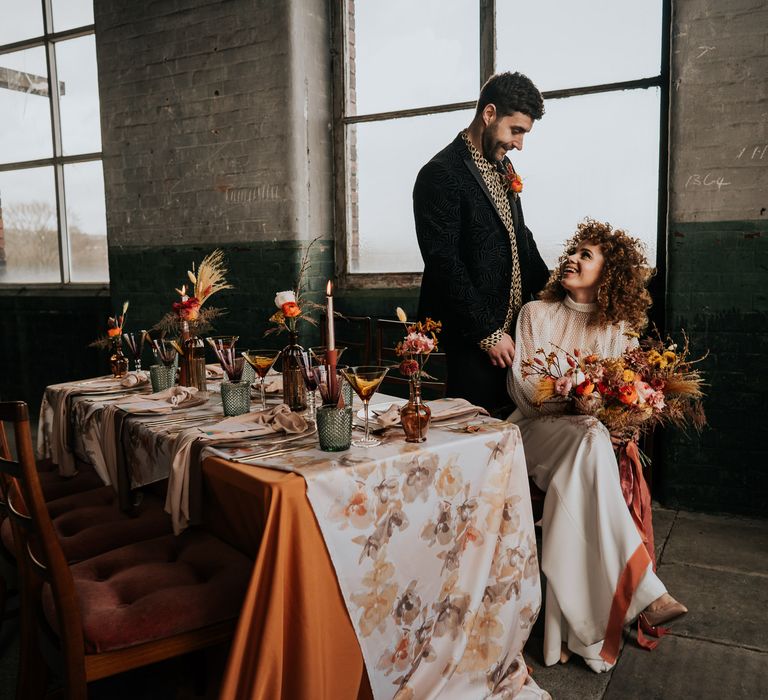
[(165, 401), (214, 371), (133, 379), (277, 419), (442, 409)]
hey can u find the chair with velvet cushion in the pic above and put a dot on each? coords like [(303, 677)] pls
[(129, 607), (85, 514)]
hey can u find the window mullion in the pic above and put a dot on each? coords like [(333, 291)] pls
[(58, 168), (487, 39)]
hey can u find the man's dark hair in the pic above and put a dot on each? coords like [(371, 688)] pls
[(511, 92)]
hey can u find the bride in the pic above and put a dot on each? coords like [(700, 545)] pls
[(599, 573)]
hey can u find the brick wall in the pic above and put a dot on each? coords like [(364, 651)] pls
[(216, 133)]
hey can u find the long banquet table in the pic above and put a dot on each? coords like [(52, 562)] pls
[(400, 571)]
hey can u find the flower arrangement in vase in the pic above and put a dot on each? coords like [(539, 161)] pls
[(118, 362), (188, 319), (419, 343), (292, 308)]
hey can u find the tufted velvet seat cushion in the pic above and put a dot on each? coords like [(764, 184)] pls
[(156, 589), (56, 486), (90, 523)]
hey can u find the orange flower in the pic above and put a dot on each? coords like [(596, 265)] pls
[(585, 388), (290, 309), (112, 332), (516, 184), (628, 394)]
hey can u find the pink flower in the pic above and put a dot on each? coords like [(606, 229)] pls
[(418, 344), (644, 390), (563, 385), (656, 400)]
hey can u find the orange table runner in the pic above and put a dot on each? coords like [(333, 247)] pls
[(294, 639)]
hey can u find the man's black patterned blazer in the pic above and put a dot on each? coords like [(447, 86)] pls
[(466, 249)]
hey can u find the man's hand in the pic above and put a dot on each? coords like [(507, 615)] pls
[(502, 354)]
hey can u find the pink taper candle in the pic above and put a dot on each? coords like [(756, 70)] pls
[(329, 313)]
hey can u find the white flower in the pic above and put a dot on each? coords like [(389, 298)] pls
[(401, 315), (283, 298)]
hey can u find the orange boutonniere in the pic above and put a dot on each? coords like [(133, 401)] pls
[(512, 181)]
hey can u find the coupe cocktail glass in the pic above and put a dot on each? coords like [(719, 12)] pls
[(365, 380), (261, 360)]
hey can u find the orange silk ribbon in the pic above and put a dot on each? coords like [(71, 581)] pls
[(636, 494)]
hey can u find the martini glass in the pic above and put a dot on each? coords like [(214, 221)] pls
[(135, 343), (318, 353), (261, 360), (365, 380)]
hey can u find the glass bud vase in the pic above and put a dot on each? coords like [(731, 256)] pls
[(415, 415), (294, 390), (117, 361), (192, 360)]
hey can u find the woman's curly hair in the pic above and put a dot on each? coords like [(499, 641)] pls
[(622, 293)]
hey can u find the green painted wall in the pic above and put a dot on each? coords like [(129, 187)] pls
[(717, 294), (148, 276)]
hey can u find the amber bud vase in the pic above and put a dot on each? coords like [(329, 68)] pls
[(415, 415), (117, 361)]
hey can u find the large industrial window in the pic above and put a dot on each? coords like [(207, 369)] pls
[(407, 75), (52, 217)]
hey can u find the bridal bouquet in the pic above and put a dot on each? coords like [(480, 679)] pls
[(654, 384)]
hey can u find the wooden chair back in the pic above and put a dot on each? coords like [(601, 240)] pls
[(355, 333), (41, 560), (388, 333), (40, 557)]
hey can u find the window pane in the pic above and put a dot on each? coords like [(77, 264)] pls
[(412, 54), (68, 14), (86, 221), (20, 20), (80, 127), (579, 43), (29, 247), (596, 156), (390, 155), (25, 116)]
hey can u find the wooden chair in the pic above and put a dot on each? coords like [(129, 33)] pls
[(354, 333), (85, 515), (129, 607), (388, 333)]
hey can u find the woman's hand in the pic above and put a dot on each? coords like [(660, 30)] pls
[(619, 439)]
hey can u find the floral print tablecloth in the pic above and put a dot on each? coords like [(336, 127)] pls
[(435, 554)]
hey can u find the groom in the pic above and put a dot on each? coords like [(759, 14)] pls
[(481, 263)]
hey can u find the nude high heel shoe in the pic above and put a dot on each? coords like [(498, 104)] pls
[(667, 610)]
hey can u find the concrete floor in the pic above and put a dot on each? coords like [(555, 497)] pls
[(716, 565)]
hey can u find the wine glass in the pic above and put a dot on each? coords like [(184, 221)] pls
[(365, 380), (135, 343), (224, 347), (308, 375), (165, 351), (261, 360)]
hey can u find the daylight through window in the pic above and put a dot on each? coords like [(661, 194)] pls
[(52, 214), (408, 87)]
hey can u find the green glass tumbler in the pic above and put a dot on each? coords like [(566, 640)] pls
[(334, 428), (236, 398), (162, 377)]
